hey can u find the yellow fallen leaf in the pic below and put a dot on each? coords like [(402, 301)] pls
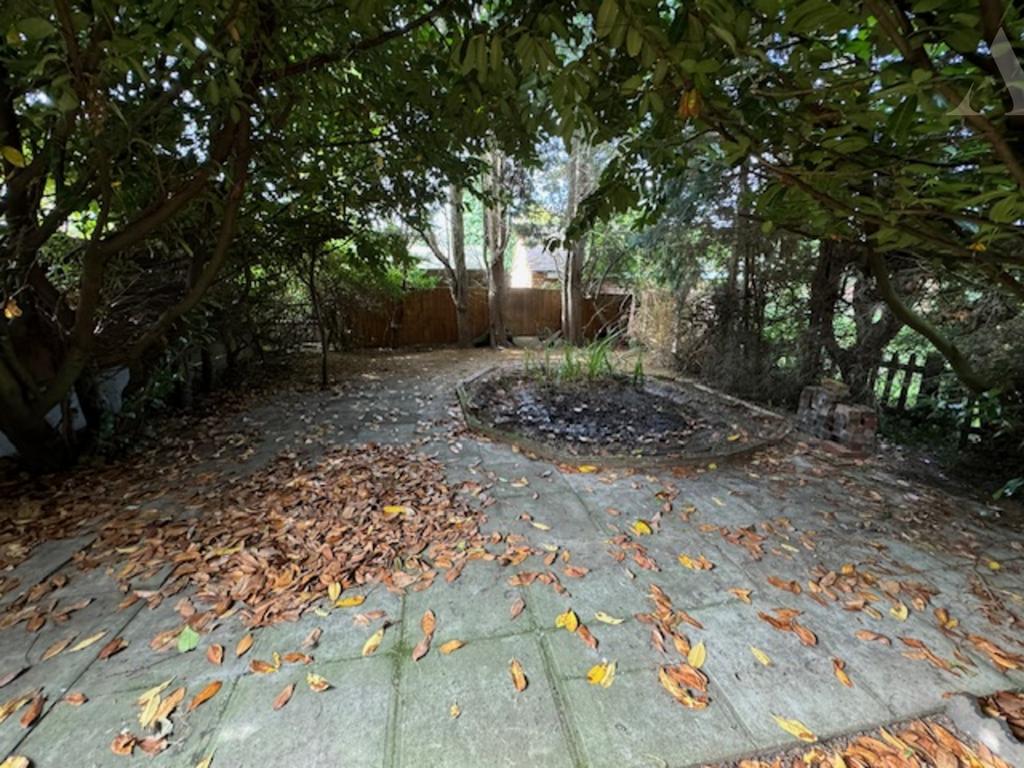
[(606, 619), (795, 728), (148, 714), (519, 680), (697, 655), (156, 690), (394, 510), (712, 466), (568, 620), (454, 711), (741, 594), (15, 761), (373, 643), (718, 501), (602, 674), (316, 682), (333, 591), (540, 526), (206, 762), (761, 656), (642, 528), (733, 438), (587, 468), (839, 668), (899, 612), (994, 565), (83, 644), (451, 646), (350, 602)]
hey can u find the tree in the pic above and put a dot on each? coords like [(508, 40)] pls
[(128, 124), (453, 261), (497, 187)]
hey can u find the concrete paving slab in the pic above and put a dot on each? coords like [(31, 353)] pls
[(498, 726)]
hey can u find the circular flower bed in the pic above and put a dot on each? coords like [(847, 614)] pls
[(614, 416)]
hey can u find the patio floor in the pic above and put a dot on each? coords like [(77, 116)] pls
[(933, 587)]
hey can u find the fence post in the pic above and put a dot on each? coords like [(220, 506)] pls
[(894, 361), (908, 377), (933, 366)]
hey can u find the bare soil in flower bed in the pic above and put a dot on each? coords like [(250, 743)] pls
[(614, 416)]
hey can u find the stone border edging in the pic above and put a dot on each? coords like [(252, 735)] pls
[(965, 712), (561, 456)]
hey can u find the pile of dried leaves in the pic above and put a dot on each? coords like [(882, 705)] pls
[(920, 744), (1008, 706), (290, 535)]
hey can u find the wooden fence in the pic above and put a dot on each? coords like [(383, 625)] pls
[(428, 317), (902, 384)]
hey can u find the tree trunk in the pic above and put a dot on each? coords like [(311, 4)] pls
[(833, 258), (572, 277), (40, 445), (318, 316), (496, 234), (496, 297), (459, 283)]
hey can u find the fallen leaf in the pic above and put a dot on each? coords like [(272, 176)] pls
[(15, 761), (540, 526), (373, 642), (761, 656), (115, 646), (316, 682), (312, 638), (333, 591), (517, 608), (602, 674), (75, 699), (454, 711), (451, 647), (741, 594), (206, 762), (697, 655), (350, 602), (518, 676), (187, 640), (9, 677), (642, 528), (83, 644), (869, 636), (57, 647), (215, 653), (567, 620), (168, 705), (422, 648), (34, 710), (839, 668), (428, 623), (795, 728), (900, 612), (586, 469), (243, 645), (282, 698), (205, 695), (123, 744), (606, 619), (260, 667)]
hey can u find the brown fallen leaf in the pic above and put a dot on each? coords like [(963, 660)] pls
[(123, 744), (421, 649), (260, 667), (294, 657), (741, 594), (869, 636), (282, 698), (312, 638), (243, 645), (518, 675), (168, 705), (34, 710), (428, 623), (76, 698), (205, 695), (585, 635), (215, 653), (57, 647), (9, 677), (152, 745), (517, 608), (115, 646)]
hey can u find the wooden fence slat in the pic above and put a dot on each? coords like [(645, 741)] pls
[(908, 377), (894, 363)]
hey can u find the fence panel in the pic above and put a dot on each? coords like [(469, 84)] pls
[(428, 317)]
